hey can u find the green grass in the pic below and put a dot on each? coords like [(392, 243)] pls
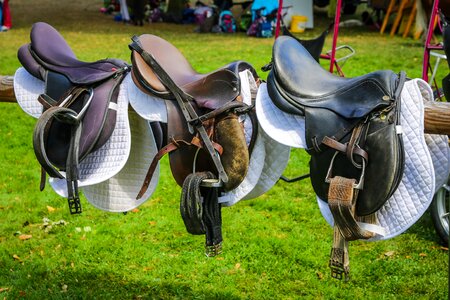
[(275, 247)]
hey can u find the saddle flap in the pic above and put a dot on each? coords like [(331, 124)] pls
[(187, 157), (383, 171)]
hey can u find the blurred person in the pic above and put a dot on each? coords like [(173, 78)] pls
[(6, 22), (124, 11), (138, 12)]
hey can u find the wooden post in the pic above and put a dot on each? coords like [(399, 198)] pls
[(437, 114), (437, 118), (7, 89)]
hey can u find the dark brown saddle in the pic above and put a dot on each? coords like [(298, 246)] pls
[(203, 135), (79, 105), (353, 134), (202, 110)]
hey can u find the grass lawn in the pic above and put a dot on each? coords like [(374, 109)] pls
[(275, 247)]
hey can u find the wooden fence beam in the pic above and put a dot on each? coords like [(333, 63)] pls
[(437, 114), (7, 89)]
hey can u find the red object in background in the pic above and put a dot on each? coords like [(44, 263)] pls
[(6, 15)]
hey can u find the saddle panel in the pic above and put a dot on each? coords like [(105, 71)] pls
[(304, 83), (50, 50)]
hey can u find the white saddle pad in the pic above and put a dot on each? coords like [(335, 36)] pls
[(118, 193), (417, 187)]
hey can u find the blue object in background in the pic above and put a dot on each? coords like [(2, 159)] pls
[(267, 7)]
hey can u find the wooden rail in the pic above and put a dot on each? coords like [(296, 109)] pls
[(7, 89), (437, 114)]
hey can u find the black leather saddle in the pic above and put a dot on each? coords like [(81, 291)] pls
[(353, 134), (80, 104), (332, 106)]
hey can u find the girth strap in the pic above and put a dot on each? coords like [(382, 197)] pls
[(201, 211), (184, 102)]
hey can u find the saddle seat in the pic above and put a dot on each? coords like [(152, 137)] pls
[(298, 81), (50, 49), (210, 91)]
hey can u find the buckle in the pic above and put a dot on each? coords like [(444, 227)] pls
[(74, 205), (71, 117), (336, 264), (358, 185), (213, 250)]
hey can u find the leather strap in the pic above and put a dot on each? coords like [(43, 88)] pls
[(72, 158), (68, 116), (174, 145), (332, 143), (342, 197), (201, 211)]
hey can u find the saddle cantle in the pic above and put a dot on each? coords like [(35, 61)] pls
[(79, 103), (353, 134)]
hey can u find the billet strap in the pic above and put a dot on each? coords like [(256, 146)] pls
[(332, 143), (201, 211), (72, 164), (400, 83), (184, 102), (174, 145), (342, 196)]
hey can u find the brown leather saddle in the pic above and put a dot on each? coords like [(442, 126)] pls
[(79, 103), (353, 134), (202, 109), (203, 135)]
